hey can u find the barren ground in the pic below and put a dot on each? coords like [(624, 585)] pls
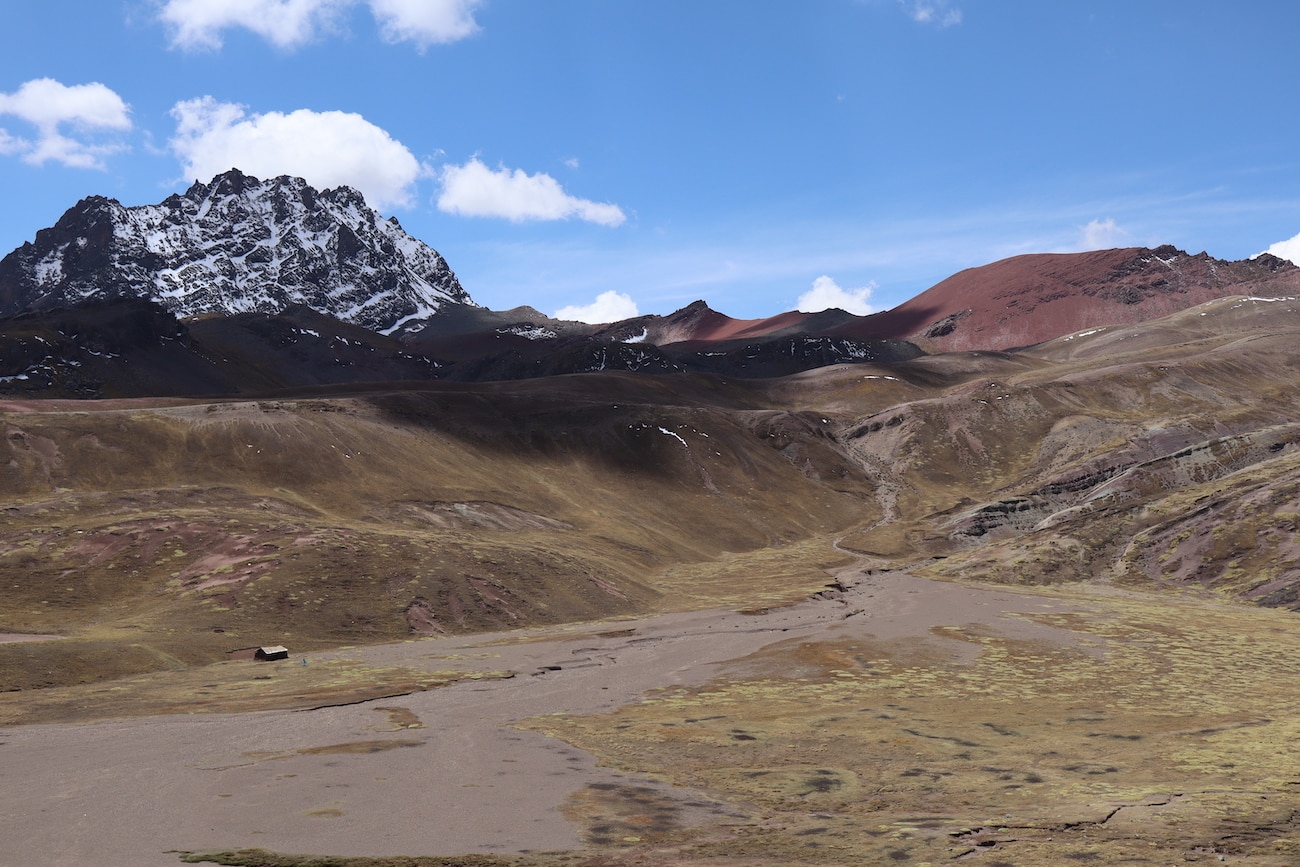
[(901, 720)]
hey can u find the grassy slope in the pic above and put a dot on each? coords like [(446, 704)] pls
[(160, 536), (165, 537)]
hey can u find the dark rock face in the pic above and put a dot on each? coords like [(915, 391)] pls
[(235, 245), (136, 348)]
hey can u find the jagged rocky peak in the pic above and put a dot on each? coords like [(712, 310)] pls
[(235, 245)]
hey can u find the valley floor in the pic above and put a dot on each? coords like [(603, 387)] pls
[(893, 720)]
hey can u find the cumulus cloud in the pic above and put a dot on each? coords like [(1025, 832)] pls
[(609, 306), (1289, 250), (284, 23), (10, 145), (50, 106), (826, 294), (937, 12), (425, 22), (290, 23), (474, 190), (1103, 235), (327, 149)]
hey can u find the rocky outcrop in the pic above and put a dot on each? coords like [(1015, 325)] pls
[(1071, 497), (235, 245)]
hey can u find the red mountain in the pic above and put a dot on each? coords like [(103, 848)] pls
[(1028, 299), (1010, 303)]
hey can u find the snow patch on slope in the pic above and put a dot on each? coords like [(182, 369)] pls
[(240, 245)]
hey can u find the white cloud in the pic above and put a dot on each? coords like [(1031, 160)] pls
[(425, 22), (1102, 235), (609, 306), (327, 149), (50, 105), (826, 294), (937, 12), (285, 23), (1289, 250), (10, 145), (474, 190), (290, 23)]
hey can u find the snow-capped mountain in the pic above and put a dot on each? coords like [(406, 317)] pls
[(235, 245)]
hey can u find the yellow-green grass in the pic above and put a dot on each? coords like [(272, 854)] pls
[(1159, 731)]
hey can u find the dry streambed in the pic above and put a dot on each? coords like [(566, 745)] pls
[(898, 720)]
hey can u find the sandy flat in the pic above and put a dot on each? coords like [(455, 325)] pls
[(358, 780)]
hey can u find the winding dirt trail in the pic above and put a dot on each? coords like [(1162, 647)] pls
[(18, 637)]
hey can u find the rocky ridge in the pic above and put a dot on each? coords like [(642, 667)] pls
[(235, 245)]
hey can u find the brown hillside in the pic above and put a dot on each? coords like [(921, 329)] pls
[(192, 528), (1028, 299), (196, 528), (1171, 464)]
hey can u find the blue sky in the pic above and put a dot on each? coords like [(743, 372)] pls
[(653, 152)]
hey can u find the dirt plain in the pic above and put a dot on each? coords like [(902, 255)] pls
[(1011, 608), (897, 720)]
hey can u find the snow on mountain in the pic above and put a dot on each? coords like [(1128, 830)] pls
[(235, 245)]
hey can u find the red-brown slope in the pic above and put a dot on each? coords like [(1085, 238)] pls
[(1014, 302), (699, 325), (697, 322), (1028, 299)]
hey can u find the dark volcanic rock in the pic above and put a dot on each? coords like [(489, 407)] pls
[(136, 348), (782, 356), (235, 245)]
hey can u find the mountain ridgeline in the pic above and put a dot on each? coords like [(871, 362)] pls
[(249, 284), (235, 245)]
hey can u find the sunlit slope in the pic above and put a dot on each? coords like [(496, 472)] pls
[(168, 535), (1159, 453)]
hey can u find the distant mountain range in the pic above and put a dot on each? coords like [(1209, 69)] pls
[(242, 285)]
